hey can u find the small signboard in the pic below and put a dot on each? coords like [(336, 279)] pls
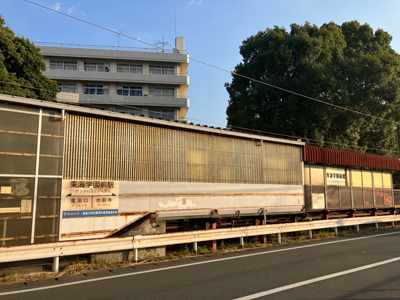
[(318, 201), (335, 176), (90, 198)]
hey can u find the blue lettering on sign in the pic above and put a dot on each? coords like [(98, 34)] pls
[(90, 213)]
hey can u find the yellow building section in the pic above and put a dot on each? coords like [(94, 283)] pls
[(98, 149)]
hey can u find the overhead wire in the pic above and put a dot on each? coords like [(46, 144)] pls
[(98, 26), (222, 69), (254, 131), (239, 75)]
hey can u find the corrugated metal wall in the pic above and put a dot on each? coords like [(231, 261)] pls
[(349, 158), (99, 149)]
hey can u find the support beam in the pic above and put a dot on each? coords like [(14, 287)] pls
[(336, 231), (310, 234), (241, 242), (135, 255), (377, 226), (279, 238), (393, 224), (358, 228)]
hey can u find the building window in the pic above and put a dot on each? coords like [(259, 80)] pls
[(161, 92), (134, 111), (63, 65), (95, 89), (162, 114), (161, 70), (126, 68), (97, 67), (67, 88), (129, 91)]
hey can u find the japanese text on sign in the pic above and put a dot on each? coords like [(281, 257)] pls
[(335, 176), (81, 197)]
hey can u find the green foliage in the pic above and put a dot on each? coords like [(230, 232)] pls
[(347, 65), (21, 63)]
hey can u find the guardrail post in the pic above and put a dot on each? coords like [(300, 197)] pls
[(336, 231), (393, 224), (214, 242), (135, 255), (263, 238), (195, 247), (310, 234), (377, 226), (241, 242), (56, 263), (279, 238), (358, 228)]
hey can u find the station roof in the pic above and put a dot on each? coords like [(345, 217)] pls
[(348, 158), (178, 125)]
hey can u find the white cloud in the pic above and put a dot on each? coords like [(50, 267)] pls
[(71, 9), (56, 6), (194, 2)]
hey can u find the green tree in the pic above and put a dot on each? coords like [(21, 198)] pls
[(349, 65), (22, 64)]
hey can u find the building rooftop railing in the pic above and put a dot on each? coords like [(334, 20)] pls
[(109, 70), (105, 47)]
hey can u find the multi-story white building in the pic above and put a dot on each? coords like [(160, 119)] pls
[(142, 82)]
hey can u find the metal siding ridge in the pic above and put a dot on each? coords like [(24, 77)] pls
[(143, 120), (349, 158)]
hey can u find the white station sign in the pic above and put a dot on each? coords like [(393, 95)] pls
[(335, 176)]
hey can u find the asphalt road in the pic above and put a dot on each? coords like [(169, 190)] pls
[(358, 267)]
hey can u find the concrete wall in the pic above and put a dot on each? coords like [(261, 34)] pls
[(114, 54), (142, 227)]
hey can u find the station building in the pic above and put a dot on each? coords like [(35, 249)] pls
[(148, 82), (69, 172)]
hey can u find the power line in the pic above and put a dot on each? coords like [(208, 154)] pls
[(232, 73), (254, 131), (98, 26)]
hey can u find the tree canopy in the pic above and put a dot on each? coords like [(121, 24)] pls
[(348, 65), (22, 64)]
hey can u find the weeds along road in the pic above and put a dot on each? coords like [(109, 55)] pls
[(365, 266)]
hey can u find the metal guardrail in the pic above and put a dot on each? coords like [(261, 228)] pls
[(67, 248)]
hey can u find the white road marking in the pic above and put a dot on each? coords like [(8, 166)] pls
[(27, 290), (301, 283)]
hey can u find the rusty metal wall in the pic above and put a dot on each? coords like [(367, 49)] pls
[(99, 149), (348, 158)]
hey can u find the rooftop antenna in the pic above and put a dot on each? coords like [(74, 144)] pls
[(162, 44), (118, 37), (175, 21)]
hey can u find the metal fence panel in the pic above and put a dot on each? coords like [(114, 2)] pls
[(98, 149)]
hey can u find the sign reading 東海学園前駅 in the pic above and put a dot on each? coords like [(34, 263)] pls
[(335, 176), (89, 198)]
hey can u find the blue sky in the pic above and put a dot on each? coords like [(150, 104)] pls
[(213, 30)]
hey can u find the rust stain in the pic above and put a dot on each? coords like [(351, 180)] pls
[(132, 213), (18, 132), (128, 195), (84, 233), (20, 154), (127, 224)]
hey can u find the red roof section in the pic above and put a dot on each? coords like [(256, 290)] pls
[(348, 158)]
